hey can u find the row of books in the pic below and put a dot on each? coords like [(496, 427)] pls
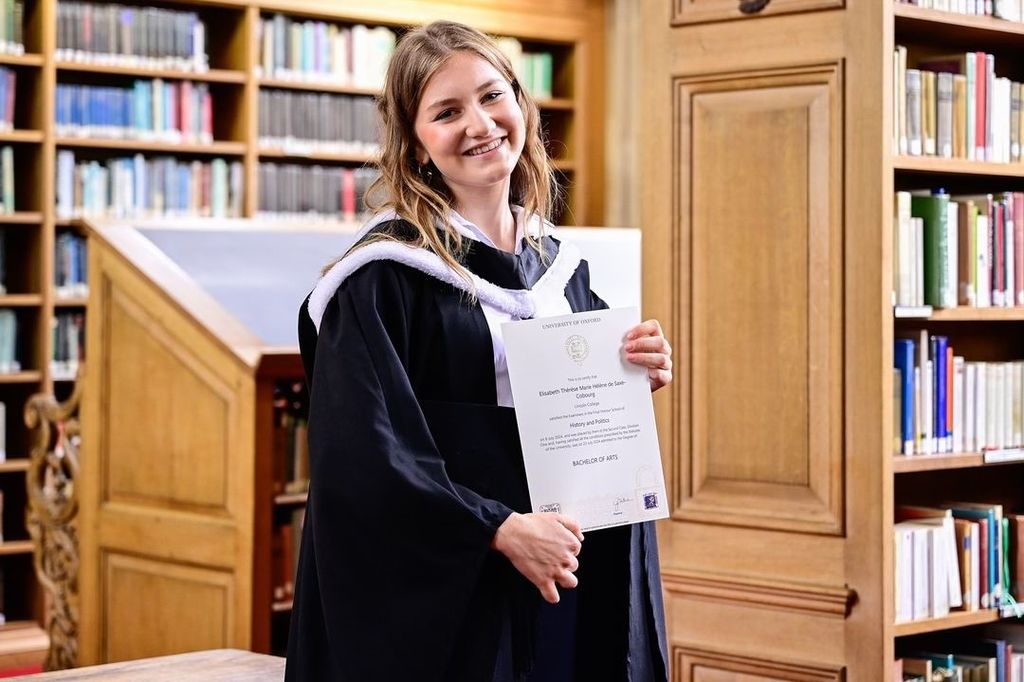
[(1011, 10), (68, 330), (152, 109), (960, 250), (954, 106), (322, 52), (9, 363), (8, 87), (138, 186), (291, 451), (302, 122), (332, 193), (127, 35), (945, 404), (535, 70), (961, 556), (12, 22), (285, 554), (70, 275), (993, 655)]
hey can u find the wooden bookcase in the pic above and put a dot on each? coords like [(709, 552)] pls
[(768, 258), (572, 29)]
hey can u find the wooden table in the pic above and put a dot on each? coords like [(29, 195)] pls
[(215, 665)]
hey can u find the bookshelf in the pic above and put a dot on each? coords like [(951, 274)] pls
[(572, 30), (769, 196)]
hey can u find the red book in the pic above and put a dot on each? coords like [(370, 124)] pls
[(348, 193), (983, 575), (185, 112), (1018, 247)]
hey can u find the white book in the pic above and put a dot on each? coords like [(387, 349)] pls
[(918, 229), (980, 393), (1008, 293), (904, 584), (984, 268), (1017, 405), (905, 279), (921, 572), (949, 292), (992, 405)]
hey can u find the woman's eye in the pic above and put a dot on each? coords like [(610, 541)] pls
[(491, 96), (447, 113)]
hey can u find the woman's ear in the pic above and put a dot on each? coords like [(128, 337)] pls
[(422, 158)]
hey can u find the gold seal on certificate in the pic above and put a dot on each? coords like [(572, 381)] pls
[(586, 419)]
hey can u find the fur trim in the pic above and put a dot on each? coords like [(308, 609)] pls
[(543, 299)]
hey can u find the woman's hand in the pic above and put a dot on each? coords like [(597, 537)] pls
[(543, 547), (647, 346)]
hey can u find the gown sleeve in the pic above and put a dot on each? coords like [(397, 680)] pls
[(395, 547)]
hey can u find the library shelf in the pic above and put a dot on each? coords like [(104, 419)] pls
[(281, 606), (14, 465), (951, 28), (12, 547), (213, 149), (21, 136), (304, 155), (71, 302), (564, 165), (21, 59), (317, 86), (20, 300), (209, 76), (556, 104), (957, 619), (21, 218), (287, 499), (29, 376), (943, 166), (903, 464), (965, 314)]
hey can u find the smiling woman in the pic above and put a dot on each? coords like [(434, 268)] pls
[(419, 531)]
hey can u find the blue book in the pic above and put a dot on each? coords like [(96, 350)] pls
[(939, 379), (903, 357)]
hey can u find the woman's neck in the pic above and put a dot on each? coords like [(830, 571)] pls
[(492, 217)]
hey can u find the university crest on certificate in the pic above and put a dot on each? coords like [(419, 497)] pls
[(586, 419)]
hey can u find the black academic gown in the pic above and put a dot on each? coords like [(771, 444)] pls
[(413, 468)]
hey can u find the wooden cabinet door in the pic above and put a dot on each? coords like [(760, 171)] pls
[(762, 155)]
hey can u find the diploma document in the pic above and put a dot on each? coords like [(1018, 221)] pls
[(586, 419)]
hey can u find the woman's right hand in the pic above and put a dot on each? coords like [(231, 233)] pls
[(543, 547)]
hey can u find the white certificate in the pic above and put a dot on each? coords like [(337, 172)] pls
[(586, 418)]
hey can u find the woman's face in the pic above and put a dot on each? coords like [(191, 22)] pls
[(470, 125)]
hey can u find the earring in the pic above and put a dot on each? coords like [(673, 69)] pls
[(426, 171)]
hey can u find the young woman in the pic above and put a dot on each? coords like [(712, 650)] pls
[(420, 558)]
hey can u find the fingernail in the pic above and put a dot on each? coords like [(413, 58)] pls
[(630, 346)]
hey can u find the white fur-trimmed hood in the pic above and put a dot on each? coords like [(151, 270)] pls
[(548, 291)]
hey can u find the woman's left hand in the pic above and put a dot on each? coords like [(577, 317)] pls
[(647, 346)]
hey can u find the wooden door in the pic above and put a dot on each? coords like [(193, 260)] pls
[(167, 476), (762, 150)]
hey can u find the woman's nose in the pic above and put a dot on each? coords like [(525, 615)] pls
[(480, 123)]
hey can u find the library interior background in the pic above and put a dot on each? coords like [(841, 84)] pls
[(824, 203)]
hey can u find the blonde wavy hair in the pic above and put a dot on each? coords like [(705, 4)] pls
[(421, 198)]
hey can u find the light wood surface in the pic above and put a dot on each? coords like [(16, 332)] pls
[(223, 665), (766, 192)]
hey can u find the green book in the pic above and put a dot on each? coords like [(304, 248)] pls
[(933, 211)]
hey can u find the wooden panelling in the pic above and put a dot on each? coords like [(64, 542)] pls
[(811, 599), (700, 666), (154, 608), (167, 446), (765, 449), (702, 11)]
